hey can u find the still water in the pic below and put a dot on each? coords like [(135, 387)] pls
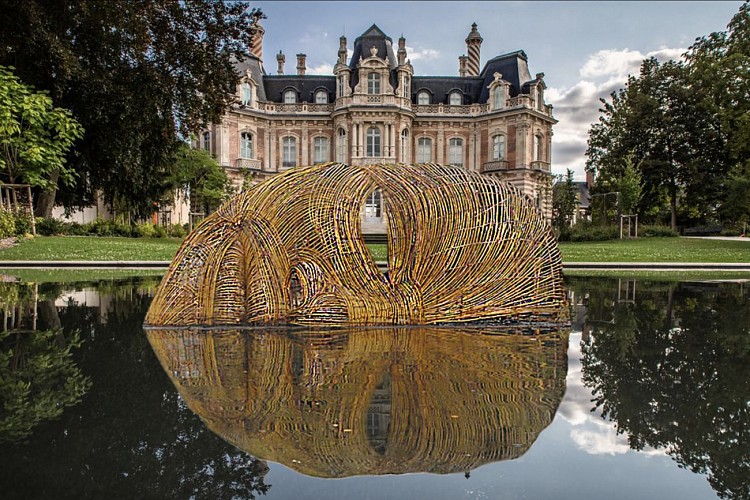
[(646, 396)]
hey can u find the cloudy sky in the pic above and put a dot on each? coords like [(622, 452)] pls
[(585, 49)]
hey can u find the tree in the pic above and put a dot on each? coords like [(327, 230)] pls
[(630, 187), (199, 175), (564, 204), (35, 136), (137, 75), (720, 68)]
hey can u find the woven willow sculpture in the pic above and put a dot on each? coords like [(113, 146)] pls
[(370, 400), (462, 247)]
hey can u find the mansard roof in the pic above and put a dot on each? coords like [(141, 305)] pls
[(305, 85), (255, 67), (373, 37), (440, 86)]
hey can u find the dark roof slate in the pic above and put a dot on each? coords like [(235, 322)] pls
[(305, 85)]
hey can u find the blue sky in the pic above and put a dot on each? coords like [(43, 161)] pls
[(585, 49)]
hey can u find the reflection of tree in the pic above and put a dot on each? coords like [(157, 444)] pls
[(673, 371), (131, 435), (370, 401), (38, 379)]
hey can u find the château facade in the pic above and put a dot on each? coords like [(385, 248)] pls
[(374, 109)]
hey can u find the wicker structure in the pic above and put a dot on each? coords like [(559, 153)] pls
[(372, 400), (462, 247)]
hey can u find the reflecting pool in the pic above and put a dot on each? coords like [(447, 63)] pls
[(647, 395)]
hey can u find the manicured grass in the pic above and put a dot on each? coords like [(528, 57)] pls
[(92, 248), (640, 250), (657, 250), (691, 275)]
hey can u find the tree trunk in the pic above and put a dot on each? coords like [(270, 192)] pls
[(45, 202)]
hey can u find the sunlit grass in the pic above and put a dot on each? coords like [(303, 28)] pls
[(657, 250)]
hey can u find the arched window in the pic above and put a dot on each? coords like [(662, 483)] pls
[(290, 97), (373, 142), (246, 145), (320, 150), (455, 99), (538, 145), (289, 152), (498, 147), (246, 97), (456, 152), (321, 97), (373, 83), (424, 150), (499, 101), (207, 141), (341, 151), (405, 145), (423, 98)]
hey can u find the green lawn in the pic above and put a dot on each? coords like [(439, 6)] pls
[(657, 250), (92, 248), (641, 250)]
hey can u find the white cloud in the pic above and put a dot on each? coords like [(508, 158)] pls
[(577, 107), (321, 69), (313, 37), (421, 54)]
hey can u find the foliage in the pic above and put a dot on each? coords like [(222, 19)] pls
[(137, 75), (197, 174), (7, 224), (656, 231), (630, 186), (35, 136), (564, 204), (587, 231), (38, 379)]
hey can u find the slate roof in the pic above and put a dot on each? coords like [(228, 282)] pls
[(513, 66)]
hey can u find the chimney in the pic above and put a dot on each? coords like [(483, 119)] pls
[(257, 44), (301, 64), (401, 50), (473, 44), (590, 179), (462, 61), (280, 59), (342, 50)]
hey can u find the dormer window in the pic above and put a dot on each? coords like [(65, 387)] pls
[(373, 83), (290, 97), (423, 98), (455, 99), (321, 97), (246, 94)]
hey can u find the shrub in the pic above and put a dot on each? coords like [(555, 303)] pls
[(585, 231), (7, 224), (656, 231), (145, 230), (49, 226), (23, 224), (160, 232), (176, 231)]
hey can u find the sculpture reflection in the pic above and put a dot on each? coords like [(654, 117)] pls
[(383, 401)]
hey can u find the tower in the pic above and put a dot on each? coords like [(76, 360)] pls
[(473, 44)]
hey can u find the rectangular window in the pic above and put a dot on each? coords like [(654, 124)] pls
[(373, 142), (456, 152), (289, 152), (320, 150), (424, 150), (373, 205), (247, 94)]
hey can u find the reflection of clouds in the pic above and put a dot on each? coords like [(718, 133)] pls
[(590, 432)]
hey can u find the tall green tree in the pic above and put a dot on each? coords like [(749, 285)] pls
[(720, 69), (564, 204), (138, 75), (35, 136)]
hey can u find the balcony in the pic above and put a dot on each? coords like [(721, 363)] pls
[(373, 160), (299, 107), (446, 109), (495, 166), (540, 165), (247, 164)]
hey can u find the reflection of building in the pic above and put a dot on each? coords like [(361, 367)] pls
[(370, 401), (374, 109)]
